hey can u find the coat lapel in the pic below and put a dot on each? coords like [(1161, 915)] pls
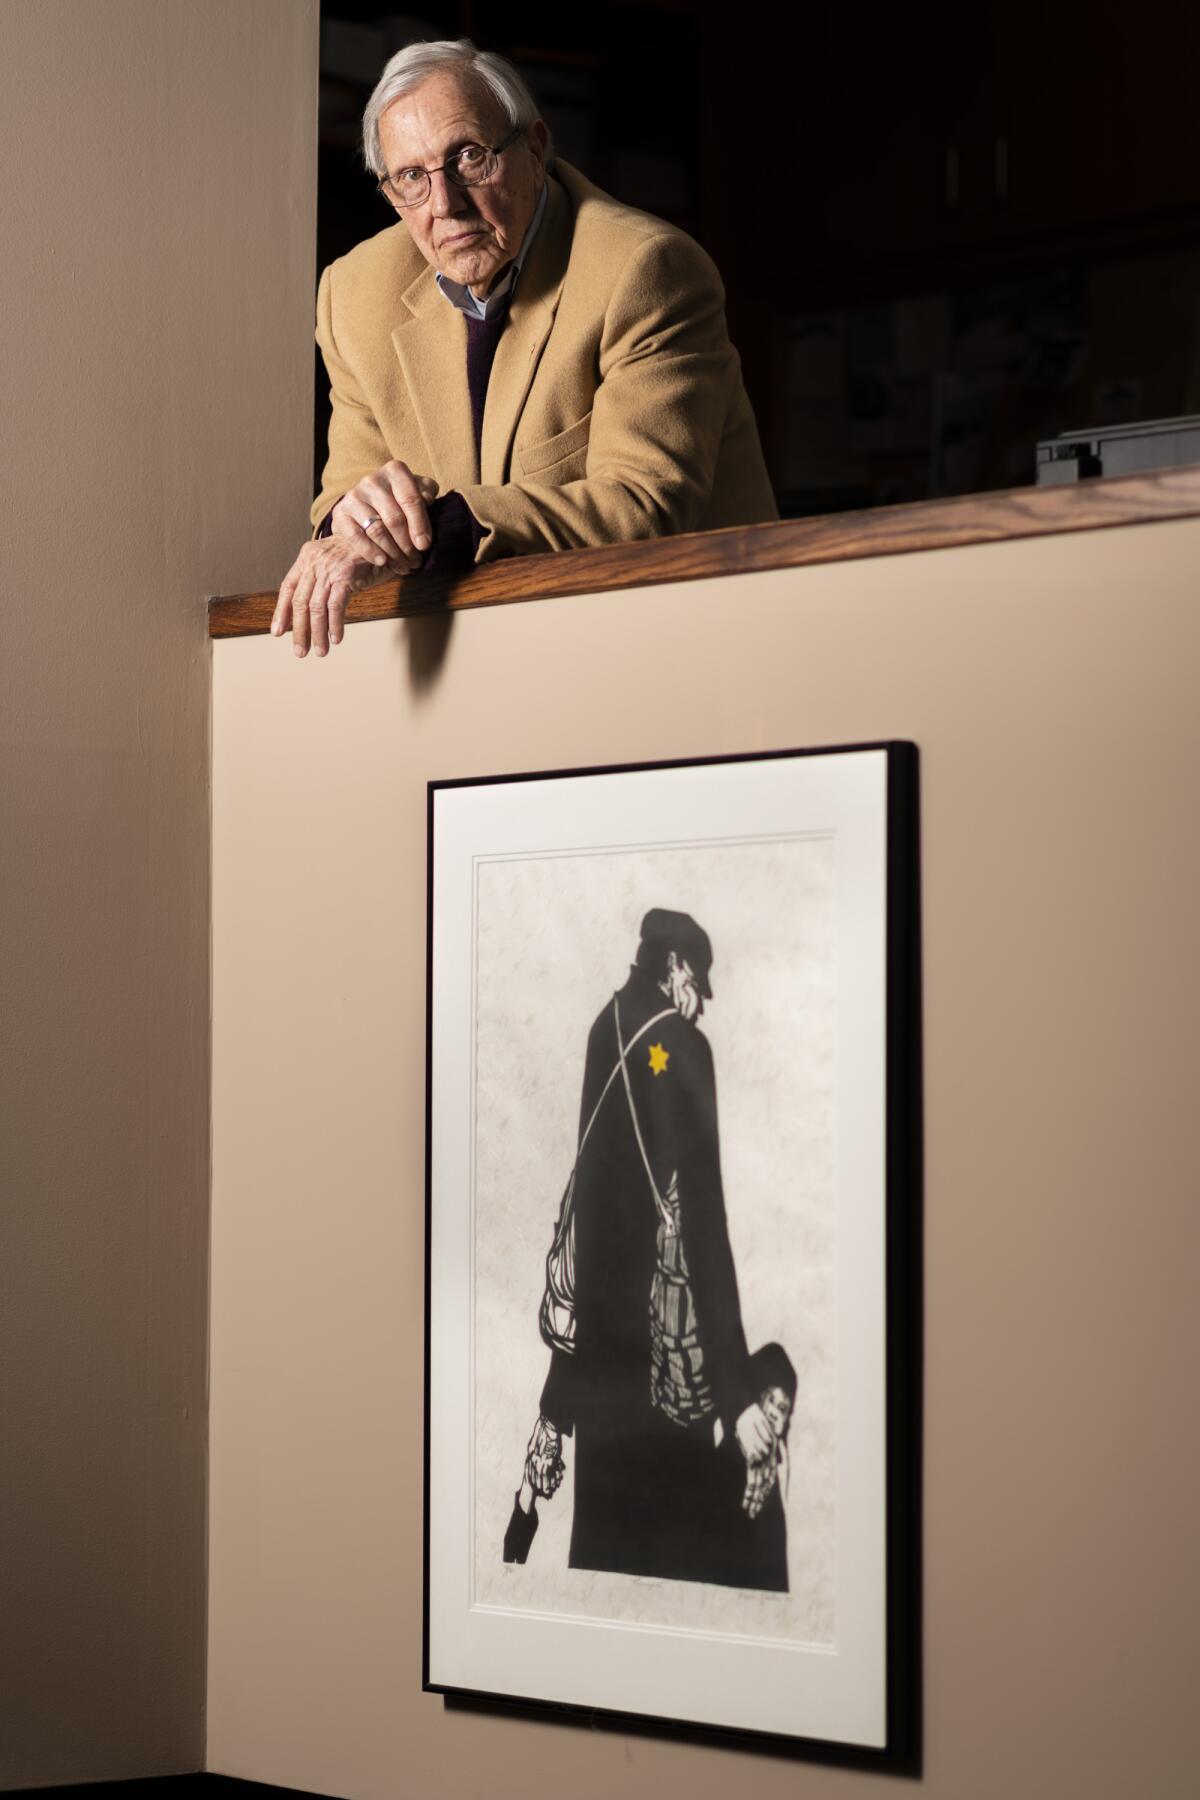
[(524, 337), (432, 347)]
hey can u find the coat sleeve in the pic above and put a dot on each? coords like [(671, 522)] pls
[(356, 444), (558, 1394), (705, 1233), (668, 377)]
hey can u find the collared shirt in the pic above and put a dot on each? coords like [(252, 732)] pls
[(460, 296)]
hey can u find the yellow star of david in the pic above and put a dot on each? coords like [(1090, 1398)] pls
[(659, 1058)]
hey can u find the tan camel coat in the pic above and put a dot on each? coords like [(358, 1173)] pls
[(615, 408)]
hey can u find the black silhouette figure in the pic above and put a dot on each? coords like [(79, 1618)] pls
[(679, 1434)]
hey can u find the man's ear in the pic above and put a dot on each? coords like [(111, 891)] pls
[(539, 137)]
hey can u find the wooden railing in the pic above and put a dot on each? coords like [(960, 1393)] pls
[(745, 549)]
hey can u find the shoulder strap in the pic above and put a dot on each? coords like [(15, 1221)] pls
[(558, 1302), (659, 1202), (622, 1050)]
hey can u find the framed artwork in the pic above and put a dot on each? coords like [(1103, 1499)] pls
[(673, 1270)]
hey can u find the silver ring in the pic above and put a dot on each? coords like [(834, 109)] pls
[(373, 520)]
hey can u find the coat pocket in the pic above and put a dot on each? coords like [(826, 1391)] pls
[(535, 458)]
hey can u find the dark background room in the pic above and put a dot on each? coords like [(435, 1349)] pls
[(945, 234)]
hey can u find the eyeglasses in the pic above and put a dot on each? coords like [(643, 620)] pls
[(470, 166)]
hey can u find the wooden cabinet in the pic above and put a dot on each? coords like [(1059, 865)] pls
[(877, 115), (1097, 112), (925, 134)]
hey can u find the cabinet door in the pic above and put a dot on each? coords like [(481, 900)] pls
[(879, 109), (1095, 117), (917, 135)]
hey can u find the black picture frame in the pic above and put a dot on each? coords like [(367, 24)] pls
[(897, 1745)]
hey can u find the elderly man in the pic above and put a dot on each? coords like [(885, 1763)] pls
[(520, 364)]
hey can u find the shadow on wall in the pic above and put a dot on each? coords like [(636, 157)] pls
[(426, 645)]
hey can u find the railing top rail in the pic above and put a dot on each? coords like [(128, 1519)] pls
[(792, 543)]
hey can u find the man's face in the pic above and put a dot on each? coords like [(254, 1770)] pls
[(468, 234), (683, 987)]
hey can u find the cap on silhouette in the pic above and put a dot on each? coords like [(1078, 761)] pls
[(678, 931)]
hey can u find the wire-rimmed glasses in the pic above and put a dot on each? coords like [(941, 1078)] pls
[(470, 166)]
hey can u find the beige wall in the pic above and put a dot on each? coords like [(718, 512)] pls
[(156, 290), (1051, 688)]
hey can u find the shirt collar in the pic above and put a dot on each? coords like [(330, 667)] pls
[(461, 297)]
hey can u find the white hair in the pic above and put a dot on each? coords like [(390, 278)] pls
[(416, 62)]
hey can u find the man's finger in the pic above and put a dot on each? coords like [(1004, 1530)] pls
[(282, 616), (387, 492), (386, 512), (405, 557), (336, 581), (357, 523), (350, 524), (300, 596), (318, 616), (340, 589), (406, 490), (399, 528), (417, 519), (371, 540)]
